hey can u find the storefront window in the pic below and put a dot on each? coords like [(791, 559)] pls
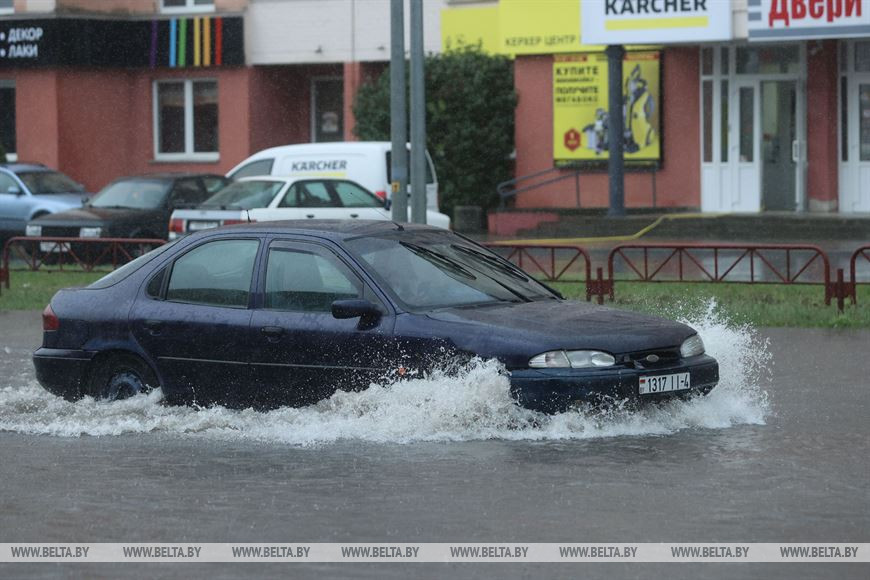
[(862, 56), (768, 59), (724, 62), (708, 120), (7, 118), (844, 118), (187, 118), (747, 124), (723, 122), (706, 61), (864, 120), (7, 6)]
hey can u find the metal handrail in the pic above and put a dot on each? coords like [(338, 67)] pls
[(508, 189)]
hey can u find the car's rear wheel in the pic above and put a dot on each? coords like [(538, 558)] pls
[(121, 376)]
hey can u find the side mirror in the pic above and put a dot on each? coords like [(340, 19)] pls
[(15, 190), (85, 200), (388, 203), (362, 309)]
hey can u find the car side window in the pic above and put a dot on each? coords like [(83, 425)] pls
[(316, 194), (213, 184), (308, 280), (216, 273), (254, 168), (7, 183), (187, 192), (352, 195)]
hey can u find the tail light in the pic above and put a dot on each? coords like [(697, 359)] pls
[(50, 321), (176, 225), (382, 195)]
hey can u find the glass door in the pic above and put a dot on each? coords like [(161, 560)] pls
[(855, 128), (780, 146), (745, 138)]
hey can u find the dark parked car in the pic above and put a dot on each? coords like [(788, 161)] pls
[(275, 313), (30, 190), (131, 207)]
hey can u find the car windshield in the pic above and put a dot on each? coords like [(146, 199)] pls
[(133, 194), (48, 182), (439, 270), (245, 195)]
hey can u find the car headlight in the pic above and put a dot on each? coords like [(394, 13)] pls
[(90, 232), (575, 359), (33, 230), (692, 346)]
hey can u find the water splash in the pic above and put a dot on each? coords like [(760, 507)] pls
[(474, 405)]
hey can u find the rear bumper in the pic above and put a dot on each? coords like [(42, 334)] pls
[(62, 371), (557, 390)]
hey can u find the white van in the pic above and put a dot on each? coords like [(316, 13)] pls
[(366, 162)]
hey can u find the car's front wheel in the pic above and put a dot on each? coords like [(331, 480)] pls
[(121, 376)]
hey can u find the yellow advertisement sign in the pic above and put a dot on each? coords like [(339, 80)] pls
[(580, 107), (536, 27), (471, 26)]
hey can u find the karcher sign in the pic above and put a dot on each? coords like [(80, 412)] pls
[(655, 21)]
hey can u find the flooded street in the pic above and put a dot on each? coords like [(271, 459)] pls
[(777, 453)]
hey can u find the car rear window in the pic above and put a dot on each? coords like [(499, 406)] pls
[(117, 275)]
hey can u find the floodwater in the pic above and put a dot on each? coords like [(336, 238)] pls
[(777, 453)]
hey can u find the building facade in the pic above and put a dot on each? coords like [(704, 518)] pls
[(756, 105), (105, 88), (731, 106)]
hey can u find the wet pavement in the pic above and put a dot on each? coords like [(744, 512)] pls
[(779, 454)]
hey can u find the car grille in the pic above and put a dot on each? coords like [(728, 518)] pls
[(641, 359), (60, 231)]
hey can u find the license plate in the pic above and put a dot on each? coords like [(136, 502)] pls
[(196, 226), (664, 384), (53, 247)]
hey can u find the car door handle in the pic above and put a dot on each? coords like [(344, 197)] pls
[(309, 215), (354, 215), (273, 333), (154, 327)]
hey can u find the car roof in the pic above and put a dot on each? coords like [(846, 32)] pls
[(169, 176), (16, 167), (333, 229)]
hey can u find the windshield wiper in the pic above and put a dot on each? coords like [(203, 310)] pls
[(493, 261), (440, 260)]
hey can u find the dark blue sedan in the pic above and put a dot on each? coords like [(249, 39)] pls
[(285, 313)]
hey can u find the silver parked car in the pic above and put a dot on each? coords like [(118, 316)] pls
[(31, 190)]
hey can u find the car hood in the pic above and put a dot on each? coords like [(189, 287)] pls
[(93, 216), (565, 324)]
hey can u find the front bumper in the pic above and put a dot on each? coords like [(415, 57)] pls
[(557, 390), (62, 371)]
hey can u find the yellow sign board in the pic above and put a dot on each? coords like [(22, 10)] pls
[(539, 27), (580, 107), (470, 26)]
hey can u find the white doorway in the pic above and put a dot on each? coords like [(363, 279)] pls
[(753, 124), (855, 127)]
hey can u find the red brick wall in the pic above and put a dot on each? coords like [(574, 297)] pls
[(678, 183)]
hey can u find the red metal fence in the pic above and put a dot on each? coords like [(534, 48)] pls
[(79, 253), (790, 264), (652, 262)]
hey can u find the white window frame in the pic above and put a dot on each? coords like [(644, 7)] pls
[(189, 154), (188, 7)]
